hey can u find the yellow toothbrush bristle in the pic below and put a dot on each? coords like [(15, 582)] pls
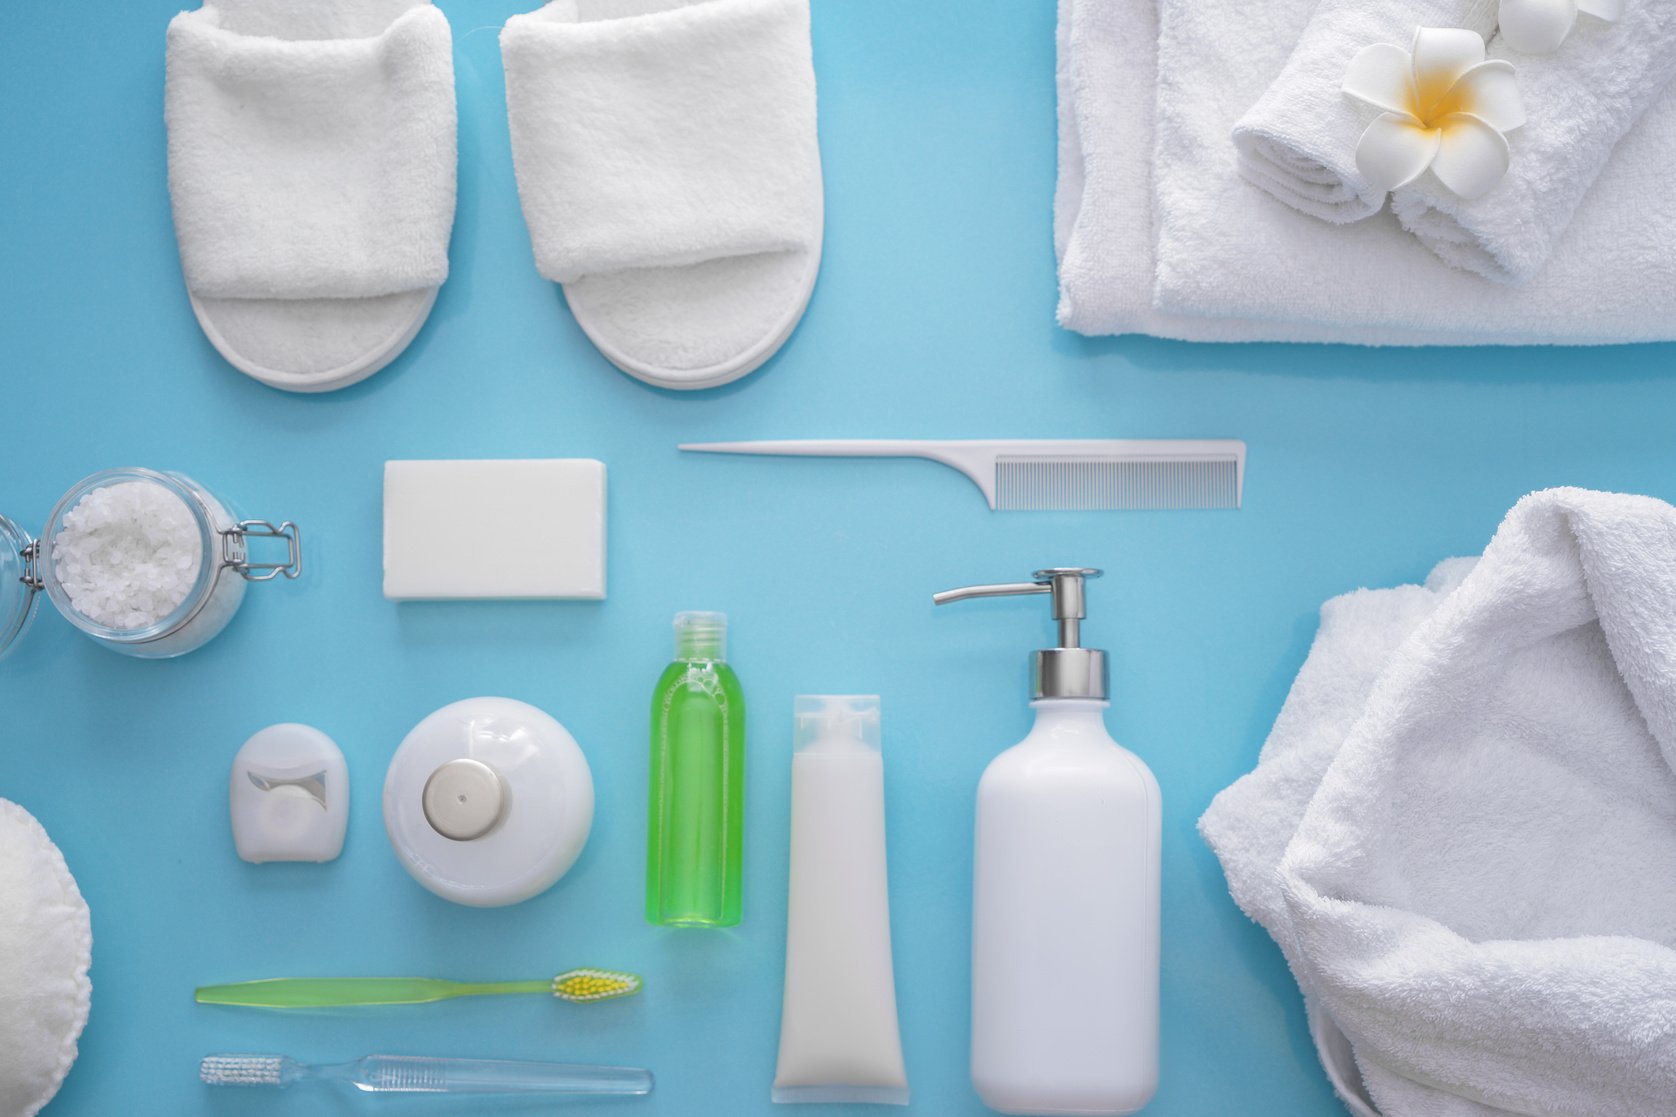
[(584, 986)]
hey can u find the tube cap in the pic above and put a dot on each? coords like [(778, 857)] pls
[(835, 722)]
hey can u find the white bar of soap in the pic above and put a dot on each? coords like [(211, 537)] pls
[(494, 529)]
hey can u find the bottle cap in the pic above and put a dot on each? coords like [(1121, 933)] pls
[(701, 636)]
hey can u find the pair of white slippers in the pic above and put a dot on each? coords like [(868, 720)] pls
[(665, 153)]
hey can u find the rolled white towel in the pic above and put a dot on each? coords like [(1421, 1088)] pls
[(1225, 250), (1580, 101), (1298, 142)]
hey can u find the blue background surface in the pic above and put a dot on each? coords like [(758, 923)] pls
[(933, 318)]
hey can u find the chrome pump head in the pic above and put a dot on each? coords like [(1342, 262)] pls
[(1070, 670)]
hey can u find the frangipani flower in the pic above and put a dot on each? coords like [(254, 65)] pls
[(1540, 26), (1445, 108)]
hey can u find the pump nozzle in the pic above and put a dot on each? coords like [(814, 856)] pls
[(1070, 670)]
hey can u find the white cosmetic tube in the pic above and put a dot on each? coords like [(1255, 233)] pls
[(839, 1040)]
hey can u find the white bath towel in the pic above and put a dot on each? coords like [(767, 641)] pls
[(1580, 101), (1298, 142), (1462, 831), (1102, 205), (1186, 248)]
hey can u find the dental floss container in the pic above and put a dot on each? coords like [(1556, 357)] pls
[(1065, 912), (488, 802), (289, 796)]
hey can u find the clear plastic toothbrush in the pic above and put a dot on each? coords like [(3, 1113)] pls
[(420, 1074)]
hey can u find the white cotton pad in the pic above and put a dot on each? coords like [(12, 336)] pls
[(486, 529), (46, 947)]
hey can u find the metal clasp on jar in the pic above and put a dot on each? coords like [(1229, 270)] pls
[(235, 549), (31, 575)]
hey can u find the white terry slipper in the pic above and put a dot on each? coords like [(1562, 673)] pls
[(312, 173), (670, 176)]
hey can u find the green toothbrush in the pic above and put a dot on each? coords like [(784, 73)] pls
[(576, 986)]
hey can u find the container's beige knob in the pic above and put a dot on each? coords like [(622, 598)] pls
[(488, 802), (464, 799)]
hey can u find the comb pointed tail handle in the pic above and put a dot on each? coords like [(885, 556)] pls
[(974, 457)]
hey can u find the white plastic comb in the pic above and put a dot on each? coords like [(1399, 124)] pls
[(1103, 474)]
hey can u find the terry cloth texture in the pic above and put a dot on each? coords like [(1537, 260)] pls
[(305, 168), (1462, 830), (1581, 101), (1158, 233)]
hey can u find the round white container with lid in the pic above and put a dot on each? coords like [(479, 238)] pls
[(223, 567), (488, 802)]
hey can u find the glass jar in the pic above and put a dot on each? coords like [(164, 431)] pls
[(217, 590)]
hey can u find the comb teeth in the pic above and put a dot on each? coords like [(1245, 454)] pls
[(1067, 485), (242, 1070)]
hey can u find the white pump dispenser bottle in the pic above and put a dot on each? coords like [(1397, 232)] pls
[(1065, 913)]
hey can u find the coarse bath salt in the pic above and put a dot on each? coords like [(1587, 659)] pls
[(128, 554)]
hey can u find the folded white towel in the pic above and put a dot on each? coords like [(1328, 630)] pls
[(1188, 249), (1580, 102), (1103, 205), (1107, 80), (1462, 831), (311, 168), (1298, 142)]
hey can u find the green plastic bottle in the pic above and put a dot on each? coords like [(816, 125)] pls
[(696, 817)]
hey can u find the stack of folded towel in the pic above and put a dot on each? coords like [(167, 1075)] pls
[(1208, 187), (1462, 830)]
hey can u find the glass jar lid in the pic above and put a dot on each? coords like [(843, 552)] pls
[(17, 583)]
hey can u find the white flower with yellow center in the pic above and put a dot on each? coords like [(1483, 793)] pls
[(1540, 26), (1445, 107)]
